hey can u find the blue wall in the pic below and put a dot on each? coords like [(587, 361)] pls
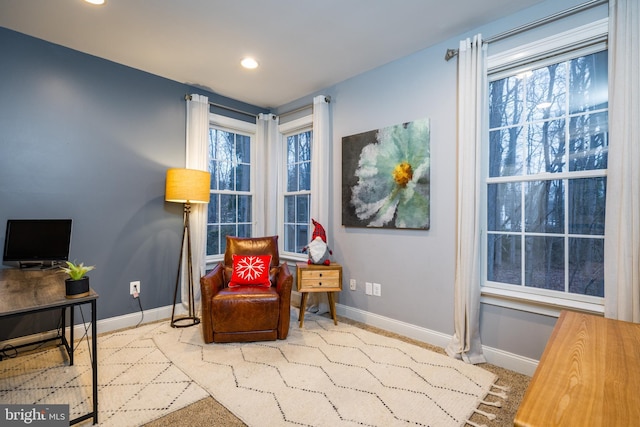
[(88, 139)]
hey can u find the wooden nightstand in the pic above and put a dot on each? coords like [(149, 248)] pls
[(318, 278)]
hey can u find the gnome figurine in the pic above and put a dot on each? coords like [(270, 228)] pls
[(318, 250)]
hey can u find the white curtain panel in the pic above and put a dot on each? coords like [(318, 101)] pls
[(320, 160), (197, 157), (320, 177), (622, 224), (465, 343), (267, 174), (260, 171)]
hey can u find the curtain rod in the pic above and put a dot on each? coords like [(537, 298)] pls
[(246, 113), (526, 27), (224, 107), (304, 107)]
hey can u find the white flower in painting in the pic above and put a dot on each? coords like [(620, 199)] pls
[(393, 177), (250, 268)]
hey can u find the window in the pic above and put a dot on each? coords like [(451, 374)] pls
[(297, 185), (545, 179), (298, 192), (230, 211)]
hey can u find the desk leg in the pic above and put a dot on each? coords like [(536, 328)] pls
[(94, 361), (332, 307), (303, 307), (63, 333), (72, 325)]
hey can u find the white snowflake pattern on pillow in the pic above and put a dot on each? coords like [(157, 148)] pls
[(250, 268)]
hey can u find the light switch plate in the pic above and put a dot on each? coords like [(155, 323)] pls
[(368, 288), (377, 289)]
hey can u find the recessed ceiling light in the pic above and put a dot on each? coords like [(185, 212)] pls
[(249, 63), (95, 1)]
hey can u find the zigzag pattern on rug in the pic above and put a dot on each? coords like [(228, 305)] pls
[(333, 375)]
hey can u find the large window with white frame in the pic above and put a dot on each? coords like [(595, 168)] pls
[(545, 171), (231, 163), (296, 192)]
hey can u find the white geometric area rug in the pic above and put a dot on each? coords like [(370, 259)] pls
[(331, 375), (136, 382)]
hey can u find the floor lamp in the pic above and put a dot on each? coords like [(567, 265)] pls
[(186, 186)]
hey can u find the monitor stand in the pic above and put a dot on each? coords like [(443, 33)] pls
[(38, 266)]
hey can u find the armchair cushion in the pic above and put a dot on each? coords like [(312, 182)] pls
[(245, 308), (250, 270)]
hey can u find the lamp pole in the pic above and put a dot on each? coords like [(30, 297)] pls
[(190, 319)]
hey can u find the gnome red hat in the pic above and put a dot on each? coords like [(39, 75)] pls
[(318, 231)]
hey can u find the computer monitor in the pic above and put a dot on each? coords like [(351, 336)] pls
[(37, 243)]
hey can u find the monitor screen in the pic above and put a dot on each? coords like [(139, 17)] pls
[(37, 241)]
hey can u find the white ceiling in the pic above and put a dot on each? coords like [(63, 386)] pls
[(302, 45)]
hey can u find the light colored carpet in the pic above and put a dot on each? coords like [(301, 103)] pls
[(328, 375), (136, 382)]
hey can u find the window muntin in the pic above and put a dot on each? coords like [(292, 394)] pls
[(230, 210), (546, 178), (297, 193)]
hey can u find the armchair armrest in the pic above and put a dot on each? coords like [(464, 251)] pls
[(210, 284), (284, 283)]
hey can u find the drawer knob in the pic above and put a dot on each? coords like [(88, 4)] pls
[(319, 283), (320, 274)]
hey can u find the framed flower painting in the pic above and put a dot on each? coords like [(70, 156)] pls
[(385, 177)]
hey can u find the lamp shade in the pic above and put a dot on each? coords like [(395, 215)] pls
[(187, 186)]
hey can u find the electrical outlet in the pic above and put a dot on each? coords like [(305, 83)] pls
[(134, 288), (368, 288), (377, 289), (352, 284)]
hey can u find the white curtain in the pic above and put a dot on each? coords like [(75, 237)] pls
[(622, 224), (320, 177), (321, 161), (197, 157), (465, 343), (267, 174)]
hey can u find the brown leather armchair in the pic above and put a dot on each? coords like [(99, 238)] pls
[(246, 313)]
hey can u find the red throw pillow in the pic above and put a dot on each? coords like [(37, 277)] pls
[(250, 270)]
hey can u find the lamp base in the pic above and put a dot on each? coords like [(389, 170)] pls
[(185, 322)]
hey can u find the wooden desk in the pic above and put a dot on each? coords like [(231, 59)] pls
[(589, 375), (24, 292)]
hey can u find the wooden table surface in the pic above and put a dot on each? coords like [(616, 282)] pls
[(589, 375), (26, 291)]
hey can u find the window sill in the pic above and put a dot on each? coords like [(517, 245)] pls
[(539, 304), (292, 259)]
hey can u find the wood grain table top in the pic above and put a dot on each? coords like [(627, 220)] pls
[(26, 291), (589, 375)]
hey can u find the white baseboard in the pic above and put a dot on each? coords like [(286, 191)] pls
[(511, 361), (504, 359), (132, 319)]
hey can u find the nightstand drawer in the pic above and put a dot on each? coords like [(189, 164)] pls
[(320, 274), (324, 280)]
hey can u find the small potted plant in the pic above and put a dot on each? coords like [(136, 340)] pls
[(77, 285)]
